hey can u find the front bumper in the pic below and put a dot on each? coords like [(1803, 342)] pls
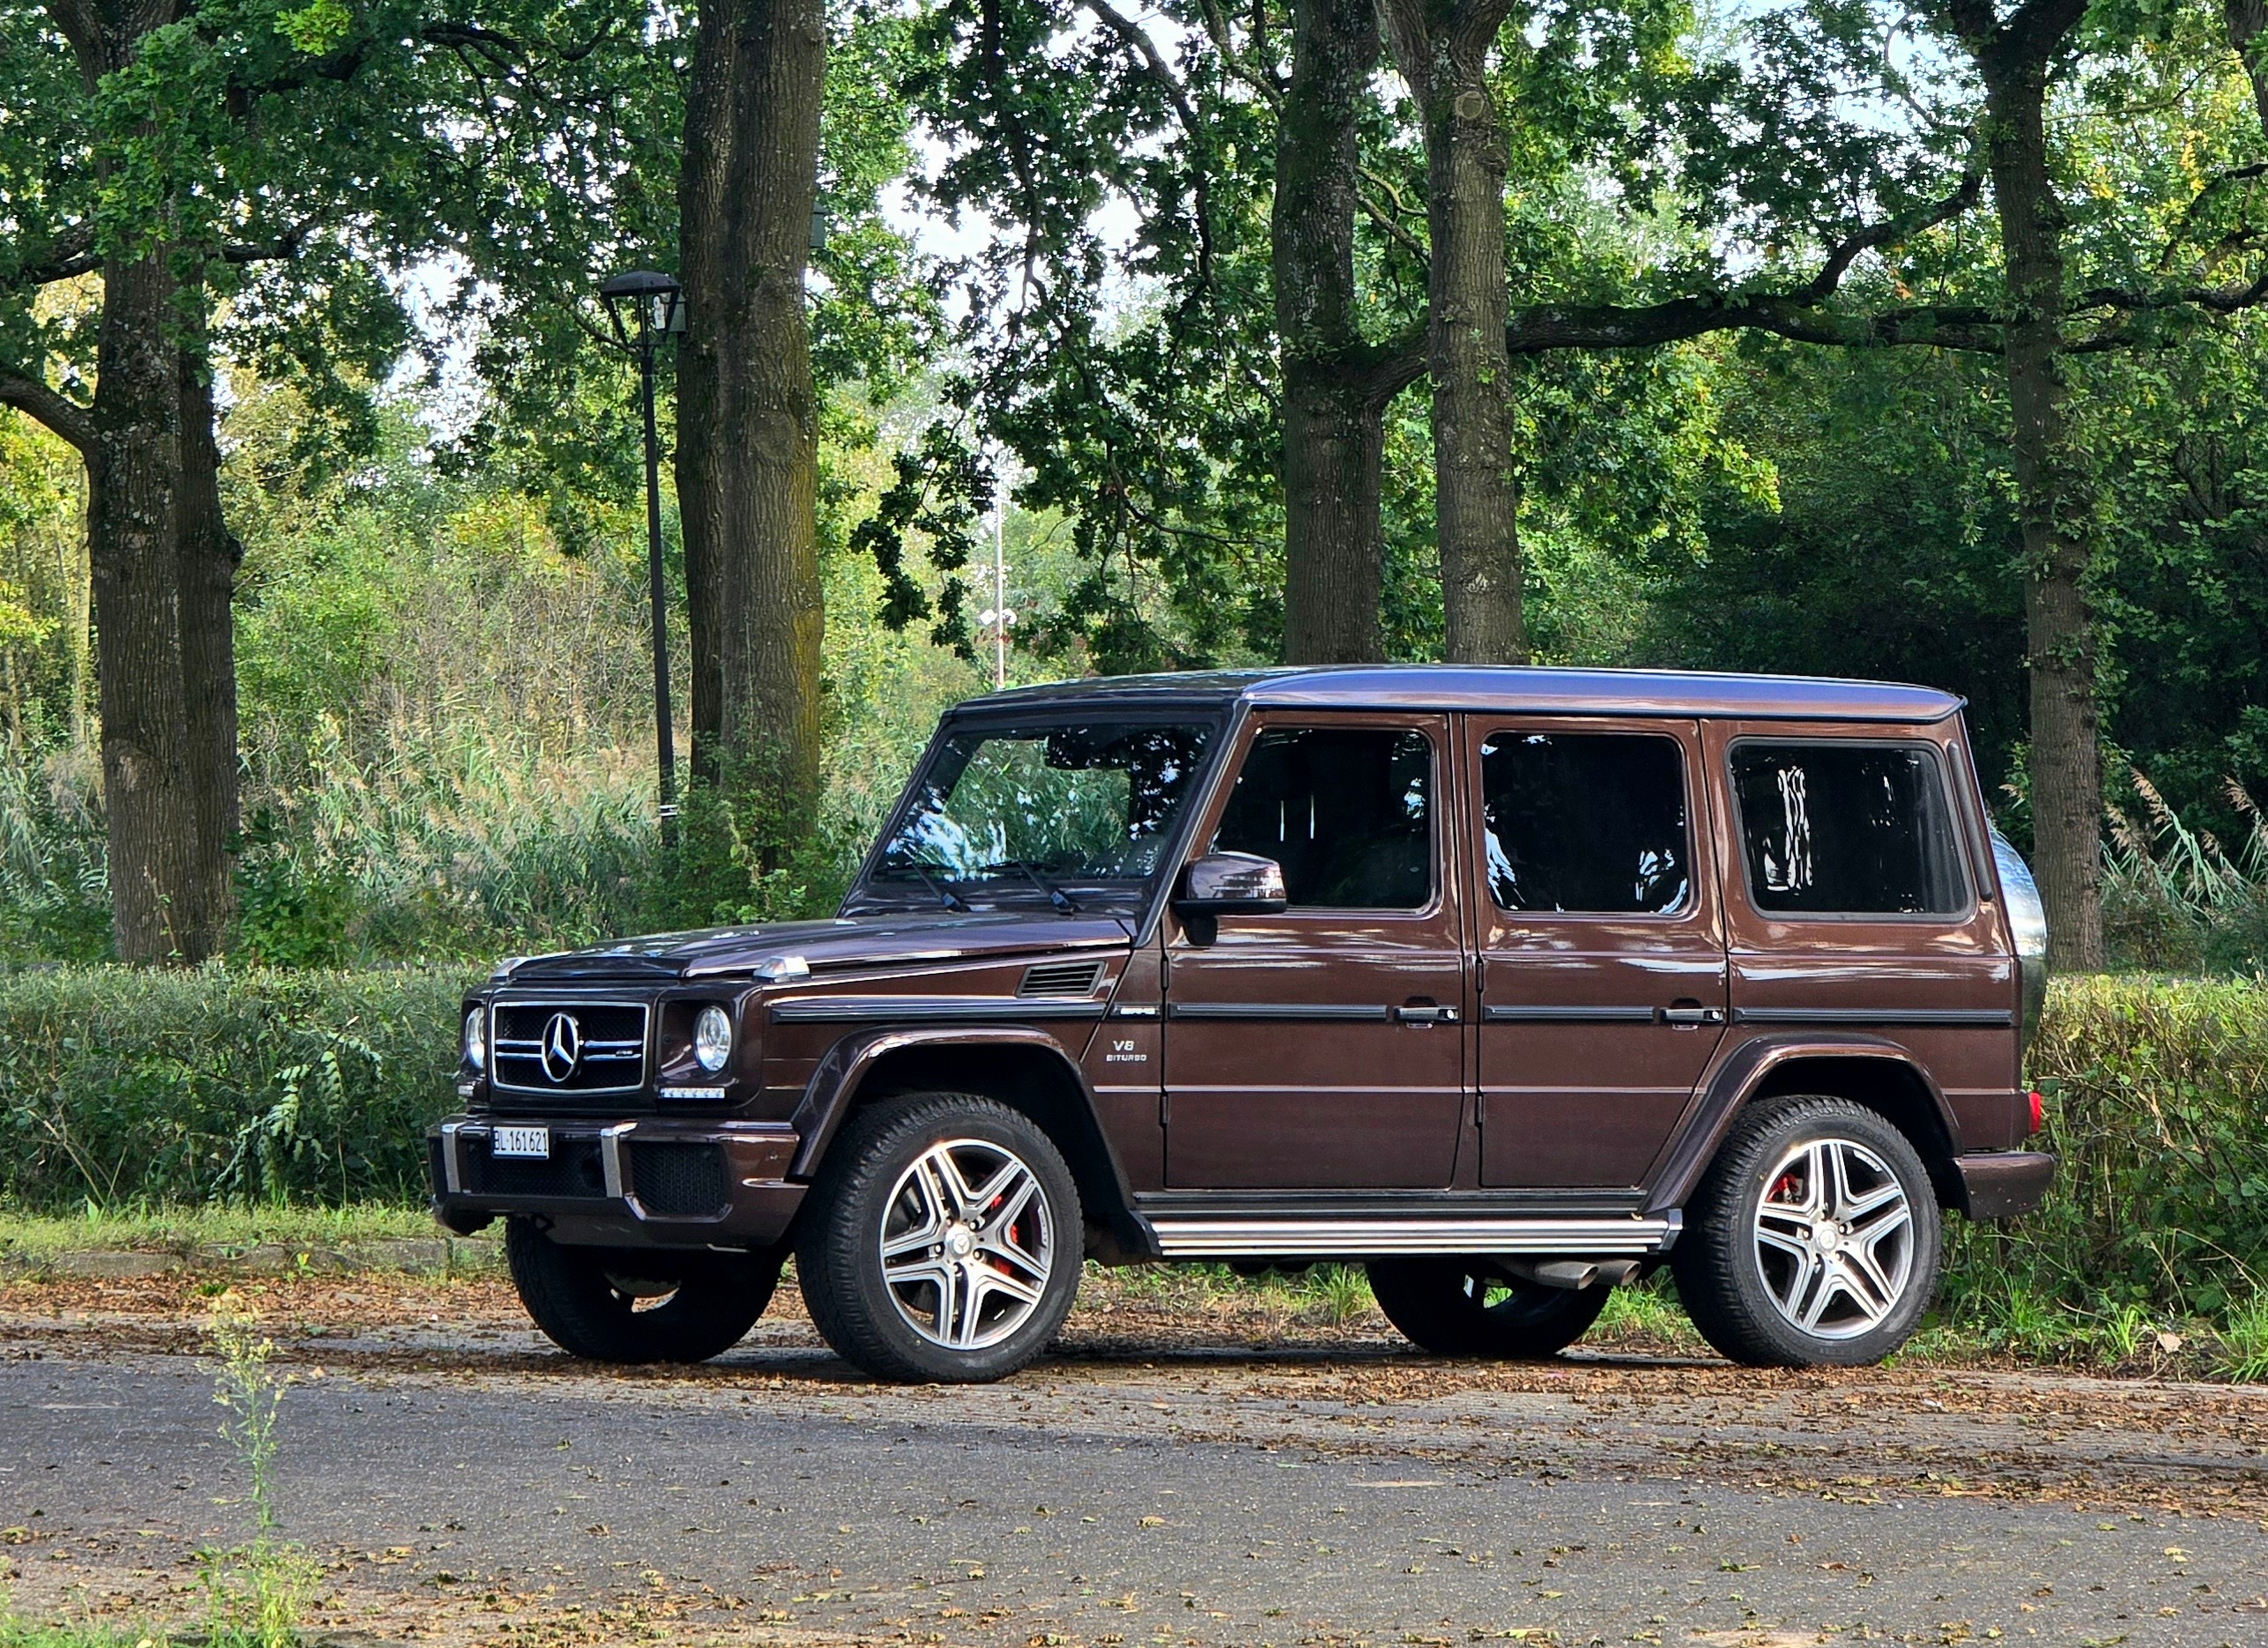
[(654, 1181), (2000, 1183)]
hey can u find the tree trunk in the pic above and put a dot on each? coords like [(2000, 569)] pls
[(161, 570), (2247, 21), (209, 554), (2066, 774), (1442, 50), (1334, 436), (748, 462), (157, 897)]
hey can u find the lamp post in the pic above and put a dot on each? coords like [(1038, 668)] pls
[(656, 305)]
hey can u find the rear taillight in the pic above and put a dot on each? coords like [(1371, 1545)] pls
[(2039, 1109)]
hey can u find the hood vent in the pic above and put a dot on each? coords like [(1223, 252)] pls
[(1061, 979)]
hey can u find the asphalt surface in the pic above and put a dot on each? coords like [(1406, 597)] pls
[(468, 1484)]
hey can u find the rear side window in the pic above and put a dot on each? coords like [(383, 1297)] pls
[(1346, 811), (1585, 823), (1847, 829)]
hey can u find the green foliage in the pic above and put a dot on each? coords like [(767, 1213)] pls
[(2158, 1108), (119, 1088)]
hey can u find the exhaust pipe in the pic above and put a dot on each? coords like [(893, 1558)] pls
[(1572, 1273)]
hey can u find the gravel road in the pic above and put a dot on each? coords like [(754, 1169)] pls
[(1146, 1484)]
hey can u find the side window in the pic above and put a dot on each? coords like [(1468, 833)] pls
[(1847, 829), (1591, 822), (1346, 811)]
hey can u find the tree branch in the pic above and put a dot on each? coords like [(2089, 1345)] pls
[(65, 417), (1200, 187), (69, 255)]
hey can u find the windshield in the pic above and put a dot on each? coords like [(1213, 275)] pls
[(1034, 812)]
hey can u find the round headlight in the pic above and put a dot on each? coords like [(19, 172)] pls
[(476, 1039), (712, 1039)]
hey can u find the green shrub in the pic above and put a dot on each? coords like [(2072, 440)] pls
[(120, 1087), (2158, 1106)]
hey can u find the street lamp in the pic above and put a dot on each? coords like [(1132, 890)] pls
[(656, 304)]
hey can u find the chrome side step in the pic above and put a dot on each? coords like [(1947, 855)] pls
[(1361, 1238)]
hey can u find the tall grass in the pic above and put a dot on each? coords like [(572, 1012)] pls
[(2175, 900)]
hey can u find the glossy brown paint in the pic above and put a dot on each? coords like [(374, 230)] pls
[(1293, 1054), (1593, 1028), (1943, 988)]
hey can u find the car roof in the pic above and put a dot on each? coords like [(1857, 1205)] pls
[(1523, 689)]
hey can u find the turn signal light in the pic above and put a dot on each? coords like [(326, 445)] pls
[(2039, 1109)]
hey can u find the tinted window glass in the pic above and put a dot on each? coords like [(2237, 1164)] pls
[(1847, 829), (1592, 822), (1347, 812)]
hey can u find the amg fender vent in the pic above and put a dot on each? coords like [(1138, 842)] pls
[(1061, 978)]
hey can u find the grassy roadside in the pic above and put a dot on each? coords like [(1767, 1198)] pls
[(1986, 1315), (365, 1235)]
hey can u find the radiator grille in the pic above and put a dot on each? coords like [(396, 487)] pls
[(570, 1047), (1061, 979), (678, 1179)]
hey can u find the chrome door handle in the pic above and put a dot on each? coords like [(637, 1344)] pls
[(1693, 1015), (1417, 1014)]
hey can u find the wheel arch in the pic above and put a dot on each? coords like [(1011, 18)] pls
[(1879, 1074), (1024, 1068)]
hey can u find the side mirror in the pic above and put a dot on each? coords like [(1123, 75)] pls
[(1230, 883)]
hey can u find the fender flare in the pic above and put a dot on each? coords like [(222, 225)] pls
[(832, 1092), (1733, 1080)]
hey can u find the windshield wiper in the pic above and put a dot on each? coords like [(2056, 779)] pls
[(1025, 867), (946, 897)]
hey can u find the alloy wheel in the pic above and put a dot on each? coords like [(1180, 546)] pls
[(1834, 1238), (968, 1243)]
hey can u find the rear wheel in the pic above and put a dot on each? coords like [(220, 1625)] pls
[(941, 1242), (1814, 1239), (1473, 1307), (638, 1304)]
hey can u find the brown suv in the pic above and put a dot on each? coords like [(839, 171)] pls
[(1512, 984)]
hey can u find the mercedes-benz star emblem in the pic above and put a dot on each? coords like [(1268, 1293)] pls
[(562, 1046)]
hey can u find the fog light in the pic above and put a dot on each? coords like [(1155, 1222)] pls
[(476, 1039), (712, 1039)]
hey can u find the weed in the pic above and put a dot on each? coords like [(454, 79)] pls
[(257, 1592), (2244, 1340)]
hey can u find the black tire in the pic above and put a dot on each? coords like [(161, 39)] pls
[(1731, 1280), (1470, 1307), (870, 1184), (638, 1304)]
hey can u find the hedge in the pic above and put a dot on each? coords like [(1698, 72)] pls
[(2158, 1105), (121, 1088)]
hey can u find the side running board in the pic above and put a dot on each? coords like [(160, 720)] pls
[(1184, 1237)]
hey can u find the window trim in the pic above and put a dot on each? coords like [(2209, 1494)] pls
[(1683, 910), (1386, 721), (1957, 834)]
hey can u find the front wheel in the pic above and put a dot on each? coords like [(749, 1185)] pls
[(638, 1304), (1813, 1240), (943, 1241), (1472, 1307)]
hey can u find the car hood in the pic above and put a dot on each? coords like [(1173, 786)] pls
[(898, 938)]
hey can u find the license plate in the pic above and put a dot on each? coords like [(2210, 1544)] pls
[(534, 1142)]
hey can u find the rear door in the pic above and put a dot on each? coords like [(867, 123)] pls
[(1323, 1048), (1602, 949), (1853, 898)]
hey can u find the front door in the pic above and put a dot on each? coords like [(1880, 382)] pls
[(1603, 962), (1323, 1047)]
